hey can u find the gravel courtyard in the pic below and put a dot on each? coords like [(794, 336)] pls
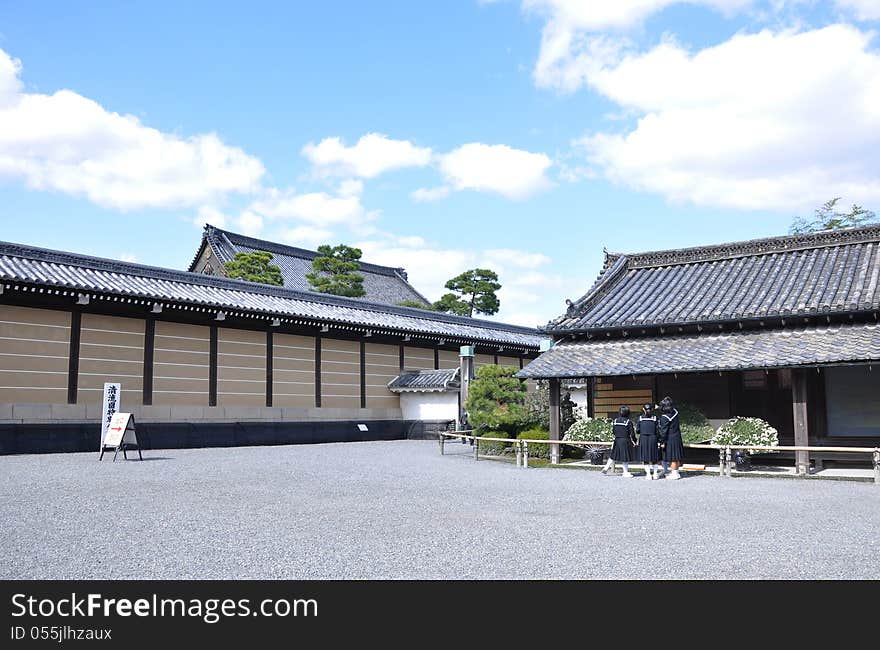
[(400, 510)]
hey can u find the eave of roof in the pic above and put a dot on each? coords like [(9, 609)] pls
[(425, 381), (92, 274), (727, 351)]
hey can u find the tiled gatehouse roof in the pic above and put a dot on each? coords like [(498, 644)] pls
[(383, 284), (829, 272)]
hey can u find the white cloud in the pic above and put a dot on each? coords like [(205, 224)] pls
[(768, 120), (568, 51), (373, 154), (211, 215), (128, 257), (317, 208), (350, 187), (68, 143), (510, 172), (519, 259), (250, 223), (307, 236), (863, 9), (428, 194)]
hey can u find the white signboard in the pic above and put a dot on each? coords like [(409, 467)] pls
[(119, 424), (112, 404), (120, 436)]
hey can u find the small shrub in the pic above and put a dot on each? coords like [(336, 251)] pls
[(497, 400), (746, 431), (590, 430), (691, 415), (694, 435), (695, 427), (493, 448), (536, 450)]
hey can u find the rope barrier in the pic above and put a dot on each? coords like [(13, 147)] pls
[(725, 461)]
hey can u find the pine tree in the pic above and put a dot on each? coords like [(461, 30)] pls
[(474, 291), (336, 271), (254, 267)]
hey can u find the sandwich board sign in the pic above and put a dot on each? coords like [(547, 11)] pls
[(120, 436), (112, 403)]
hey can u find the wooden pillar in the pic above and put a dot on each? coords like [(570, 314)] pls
[(801, 420), (591, 397), (554, 420)]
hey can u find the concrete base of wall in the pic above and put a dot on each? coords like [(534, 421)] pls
[(54, 437), (427, 429)]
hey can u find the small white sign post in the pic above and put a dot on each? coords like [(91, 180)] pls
[(112, 404)]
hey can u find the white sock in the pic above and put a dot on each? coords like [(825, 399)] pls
[(626, 468), (609, 464)]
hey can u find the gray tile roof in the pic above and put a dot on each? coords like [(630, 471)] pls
[(56, 270), (425, 381), (819, 273), (738, 350), (383, 284)]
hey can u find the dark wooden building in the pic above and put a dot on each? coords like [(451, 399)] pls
[(785, 329)]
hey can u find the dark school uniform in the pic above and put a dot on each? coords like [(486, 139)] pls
[(649, 440), (623, 450), (670, 435)]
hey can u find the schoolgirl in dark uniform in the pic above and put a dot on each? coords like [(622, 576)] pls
[(670, 438), (649, 442), (623, 450)]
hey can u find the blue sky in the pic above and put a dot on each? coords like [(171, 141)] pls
[(525, 136)]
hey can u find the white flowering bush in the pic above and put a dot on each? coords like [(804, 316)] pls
[(587, 429), (746, 431)]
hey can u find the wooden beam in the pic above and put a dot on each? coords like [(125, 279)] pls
[(318, 371), (73, 356), (269, 364), (149, 347), (554, 420), (212, 368), (363, 356), (801, 420)]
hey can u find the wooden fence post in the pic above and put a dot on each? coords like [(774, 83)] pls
[(877, 466)]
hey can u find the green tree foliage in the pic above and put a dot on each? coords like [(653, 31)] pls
[(336, 271), (695, 427), (254, 267), (472, 291), (496, 400), (414, 303), (829, 218)]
